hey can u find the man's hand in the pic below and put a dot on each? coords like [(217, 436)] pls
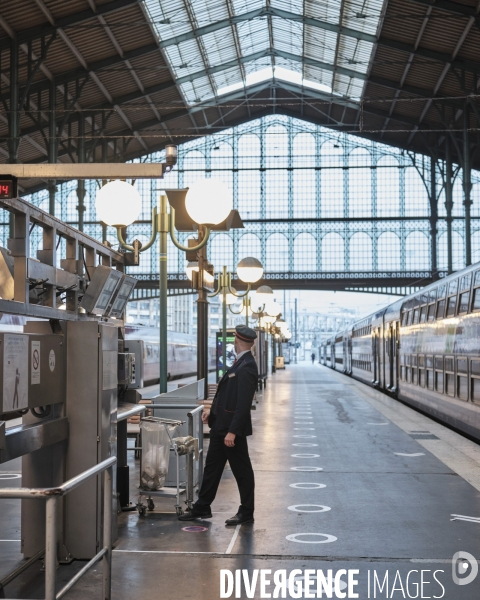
[(205, 415), (230, 440)]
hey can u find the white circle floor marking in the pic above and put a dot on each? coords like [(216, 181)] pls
[(5, 476), (293, 537), (307, 469), (312, 486), (305, 455), (305, 444), (305, 436), (317, 508), (405, 454)]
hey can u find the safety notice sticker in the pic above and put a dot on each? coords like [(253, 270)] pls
[(35, 362), (15, 372)]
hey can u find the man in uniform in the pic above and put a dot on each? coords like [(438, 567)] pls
[(230, 422)]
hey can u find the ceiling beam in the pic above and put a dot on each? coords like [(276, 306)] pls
[(447, 5), (70, 20), (271, 11)]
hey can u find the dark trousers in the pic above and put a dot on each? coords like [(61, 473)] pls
[(239, 461)]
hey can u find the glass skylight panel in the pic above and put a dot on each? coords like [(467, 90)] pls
[(244, 6), (362, 15), (253, 36), (295, 6), (323, 10), (320, 44), (287, 36)]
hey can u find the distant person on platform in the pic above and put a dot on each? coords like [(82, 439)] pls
[(230, 422), (313, 357)]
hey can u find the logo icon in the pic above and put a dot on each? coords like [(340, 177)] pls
[(464, 568)]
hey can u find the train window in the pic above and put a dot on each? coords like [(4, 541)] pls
[(476, 300), (451, 306), (450, 384), (449, 364), (409, 375), (429, 362), (475, 390), (465, 282), (463, 306), (421, 377), (414, 360), (430, 381), (462, 387), (421, 361), (414, 376), (475, 367), (462, 365), (440, 309), (423, 314), (431, 312), (453, 287), (439, 381), (439, 363), (416, 316)]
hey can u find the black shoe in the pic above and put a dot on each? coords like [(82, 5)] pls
[(239, 519), (192, 514)]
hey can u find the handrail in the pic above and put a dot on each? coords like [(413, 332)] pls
[(63, 489), (52, 497)]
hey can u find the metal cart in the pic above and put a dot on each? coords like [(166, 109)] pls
[(164, 492)]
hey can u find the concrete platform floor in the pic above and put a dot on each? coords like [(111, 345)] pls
[(344, 480)]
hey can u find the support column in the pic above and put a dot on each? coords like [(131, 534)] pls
[(202, 317), (433, 215), (52, 146), (163, 308), (81, 182), (449, 201), (14, 125), (467, 185)]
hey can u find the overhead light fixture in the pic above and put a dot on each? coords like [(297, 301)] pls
[(118, 203), (250, 269)]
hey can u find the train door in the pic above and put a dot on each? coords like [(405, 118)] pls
[(389, 355), (396, 355), (377, 356)]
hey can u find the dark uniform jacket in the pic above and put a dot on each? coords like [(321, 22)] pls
[(231, 406)]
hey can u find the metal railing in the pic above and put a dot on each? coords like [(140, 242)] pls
[(53, 497)]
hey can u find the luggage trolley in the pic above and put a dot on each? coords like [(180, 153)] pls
[(142, 508)]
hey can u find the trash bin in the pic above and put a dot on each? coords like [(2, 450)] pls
[(156, 444)]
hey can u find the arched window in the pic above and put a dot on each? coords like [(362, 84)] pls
[(332, 200), (475, 198), (276, 193), (360, 183), (333, 252), (276, 146), (221, 251), (249, 245), (304, 193), (458, 197), (417, 251), (416, 197), (221, 163), (304, 253), (388, 252), (388, 187), (249, 194), (248, 151), (331, 154), (360, 252), (193, 167), (277, 253), (458, 251), (304, 150)]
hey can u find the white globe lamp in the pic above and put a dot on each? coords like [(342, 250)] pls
[(250, 269), (209, 201), (263, 295), (118, 204)]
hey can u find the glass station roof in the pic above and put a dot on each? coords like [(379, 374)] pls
[(215, 47)]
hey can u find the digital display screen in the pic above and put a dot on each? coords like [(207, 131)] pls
[(122, 297), (230, 353), (109, 287), (7, 189)]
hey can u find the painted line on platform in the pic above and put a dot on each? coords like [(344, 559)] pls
[(414, 454), (465, 518), (233, 540), (161, 552), (10, 540)]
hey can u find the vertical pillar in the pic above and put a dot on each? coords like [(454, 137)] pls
[(467, 185), (14, 124), (81, 182), (296, 336), (163, 232), (104, 181), (202, 317), (433, 214), (449, 201), (52, 147)]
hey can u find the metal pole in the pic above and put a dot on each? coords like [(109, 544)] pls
[(81, 182), (107, 532), (202, 318), (467, 185), (296, 331), (247, 304), (52, 147), (448, 200), (433, 213), (224, 319), (51, 548), (274, 354), (162, 281)]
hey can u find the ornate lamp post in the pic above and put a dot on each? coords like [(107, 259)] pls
[(249, 271), (207, 202)]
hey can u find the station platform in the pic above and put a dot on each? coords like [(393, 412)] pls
[(346, 479)]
